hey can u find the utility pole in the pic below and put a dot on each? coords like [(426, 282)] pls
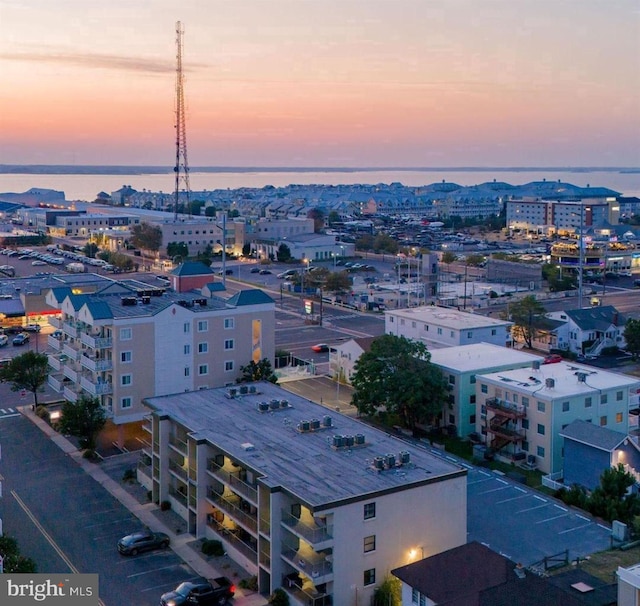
[(181, 167)]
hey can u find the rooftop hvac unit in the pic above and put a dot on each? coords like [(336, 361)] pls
[(349, 441), (252, 389), (390, 460), (535, 365), (304, 426), (359, 439), (315, 424), (129, 301), (232, 392), (284, 403), (145, 300), (582, 377), (327, 421), (550, 383), (338, 441), (243, 389), (378, 462), (263, 406), (274, 404), (405, 457)]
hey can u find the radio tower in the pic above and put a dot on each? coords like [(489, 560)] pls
[(181, 168)]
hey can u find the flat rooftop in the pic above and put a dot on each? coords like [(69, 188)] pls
[(565, 380), (480, 356), (303, 463), (447, 317)]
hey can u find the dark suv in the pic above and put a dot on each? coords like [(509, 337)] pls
[(200, 592), (145, 540)]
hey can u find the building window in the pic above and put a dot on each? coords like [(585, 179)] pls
[(228, 366), (603, 420), (125, 334), (203, 348), (540, 452), (472, 419), (619, 396), (541, 406), (525, 423), (587, 402), (452, 380), (415, 596), (469, 335), (472, 379), (369, 511), (369, 577), (186, 327), (203, 369), (187, 350), (483, 389), (618, 417), (603, 398), (439, 331), (187, 371), (203, 325), (525, 445), (125, 380), (229, 323), (125, 357), (125, 403), (540, 429), (472, 399), (565, 407), (370, 543), (494, 332)]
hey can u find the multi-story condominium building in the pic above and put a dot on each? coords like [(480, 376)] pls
[(123, 344), (445, 327), (460, 366), (523, 411), (323, 506)]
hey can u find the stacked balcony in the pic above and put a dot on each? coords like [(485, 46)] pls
[(504, 424)]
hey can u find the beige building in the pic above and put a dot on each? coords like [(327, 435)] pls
[(123, 344), (323, 506)]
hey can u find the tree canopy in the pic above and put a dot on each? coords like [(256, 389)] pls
[(284, 253), (339, 281), (146, 236), (83, 419), (318, 216), (396, 375), (528, 318), (257, 371), (27, 371), (448, 257), (632, 336), (12, 561)]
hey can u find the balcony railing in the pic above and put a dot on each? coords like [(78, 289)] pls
[(96, 365), (55, 322), (178, 496), (302, 596), (514, 411), (177, 469), (70, 394), (265, 526), (70, 373), (230, 506), (54, 361), (248, 549), (316, 567), (56, 382), (71, 328), (265, 558), (96, 389), (311, 534), (96, 342), (54, 343), (70, 352), (235, 483), (507, 433), (178, 444)]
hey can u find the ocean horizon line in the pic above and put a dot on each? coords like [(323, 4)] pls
[(124, 169)]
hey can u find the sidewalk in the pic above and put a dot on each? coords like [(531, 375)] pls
[(181, 543)]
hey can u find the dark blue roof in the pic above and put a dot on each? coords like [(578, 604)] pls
[(192, 268), (250, 297)]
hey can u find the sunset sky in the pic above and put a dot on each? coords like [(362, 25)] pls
[(322, 82)]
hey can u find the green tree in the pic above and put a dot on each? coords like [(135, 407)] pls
[(210, 211), (27, 371), (246, 250), (90, 249), (12, 561), (365, 242), (279, 598), (146, 237), (177, 249), (448, 257), (475, 260), (333, 218), (318, 216), (610, 500), (557, 281), (528, 318), (632, 336), (233, 213), (284, 253), (257, 371), (83, 419), (338, 282), (397, 375), (388, 593), (385, 243)]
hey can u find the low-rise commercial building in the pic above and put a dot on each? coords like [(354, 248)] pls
[(321, 505)]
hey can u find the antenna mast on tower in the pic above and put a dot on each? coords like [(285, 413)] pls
[(181, 168)]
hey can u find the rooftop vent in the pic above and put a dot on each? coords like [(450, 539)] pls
[(231, 392), (378, 463), (247, 446), (274, 404), (405, 457), (535, 365), (304, 426), (360, 439), (390, 460), (284, 403), (327, 421), (582, 377), (315, 424), (252, 389), (263, 406), (550, 383)]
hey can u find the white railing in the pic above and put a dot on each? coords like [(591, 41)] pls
[(96, 342), (69, 394), (54, 343), (552, 480)]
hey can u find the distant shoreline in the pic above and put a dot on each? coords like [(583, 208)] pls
[(63, 169)]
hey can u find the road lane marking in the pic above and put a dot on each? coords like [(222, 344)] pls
[(523, 496), (478, 481), (520, 489), (574, 528), (531, 508), (139, 574), (535, 496), (169, 584), (561, 508), (493, 490), (551, 518), (582, 518)]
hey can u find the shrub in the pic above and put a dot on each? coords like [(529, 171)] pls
[(279, 598), (251, 583), (43, 413), (165, 506), (212, 547)]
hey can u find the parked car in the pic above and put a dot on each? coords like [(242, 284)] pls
[(254, 270), (228, 272), (200, 592), (265, 272), (21, 339), (145, 540), (3, 340), (320, 348), (552, 359), (33, 328)]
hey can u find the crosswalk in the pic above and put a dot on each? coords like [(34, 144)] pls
[(8, 412)]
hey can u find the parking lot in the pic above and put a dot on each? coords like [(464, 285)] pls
[(66, 521)]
